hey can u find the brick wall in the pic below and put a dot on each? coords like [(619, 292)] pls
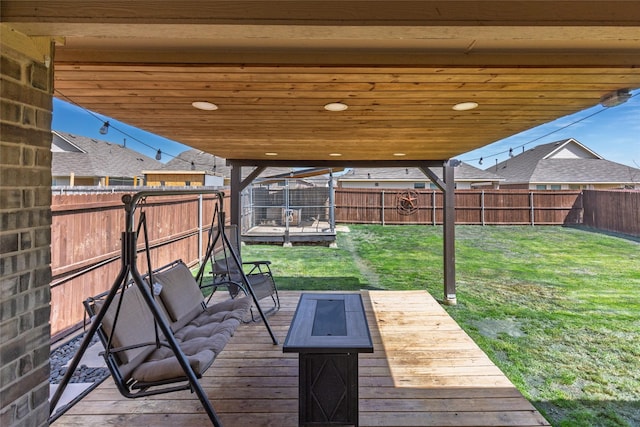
[(25, 237)]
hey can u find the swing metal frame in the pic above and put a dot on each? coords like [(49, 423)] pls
[(129, 273)]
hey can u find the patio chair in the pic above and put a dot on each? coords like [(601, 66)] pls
[(228, 270)]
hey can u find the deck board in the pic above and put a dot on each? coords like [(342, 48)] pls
[(425, 371)]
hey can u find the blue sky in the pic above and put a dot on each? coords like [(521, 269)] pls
[(78, 121), (613, 133)]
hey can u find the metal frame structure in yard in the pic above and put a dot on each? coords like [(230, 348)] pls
[(286, 211)]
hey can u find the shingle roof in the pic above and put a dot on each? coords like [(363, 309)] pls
[(202, 162), (538, 165), (464, 172), (584, 171), (205, 162), (84, 156)]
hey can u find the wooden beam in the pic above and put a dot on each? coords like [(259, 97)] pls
[(37, 48), (363, 57), (337, 163), (469, 13)]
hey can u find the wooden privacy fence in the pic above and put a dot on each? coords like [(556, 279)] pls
[(617, 211), (86, 244), (86, 228), (481, 207)]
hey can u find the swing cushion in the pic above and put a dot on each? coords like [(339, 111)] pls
[(201, 332), (201, 340), (180, 294), (136, 328)]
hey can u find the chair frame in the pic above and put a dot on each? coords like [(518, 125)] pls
[(231, 272)]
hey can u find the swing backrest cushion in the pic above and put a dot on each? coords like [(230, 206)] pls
[(134, 326), (180, 294)]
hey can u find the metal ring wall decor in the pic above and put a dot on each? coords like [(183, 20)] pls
[(407, 202)]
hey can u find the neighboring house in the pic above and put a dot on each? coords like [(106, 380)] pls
[(193, 168), (564, 165), (466, 177), (82, 161)]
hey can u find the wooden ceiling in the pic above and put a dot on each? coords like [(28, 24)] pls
[(400, 66)]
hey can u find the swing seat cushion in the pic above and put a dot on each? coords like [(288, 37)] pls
[(201, 340)]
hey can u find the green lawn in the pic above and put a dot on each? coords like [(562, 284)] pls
[(557, 309)]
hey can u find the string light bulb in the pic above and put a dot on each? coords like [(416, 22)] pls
[(480, 161), (105, 128), (193, 165), (510, 152)]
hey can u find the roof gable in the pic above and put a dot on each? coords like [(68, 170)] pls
[(571, 149), (62, 144)]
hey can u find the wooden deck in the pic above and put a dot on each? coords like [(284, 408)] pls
[(425, 371), (304, 233)]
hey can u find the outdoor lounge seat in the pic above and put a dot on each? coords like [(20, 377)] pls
[(138, 355), (226, 272), (158, 332)]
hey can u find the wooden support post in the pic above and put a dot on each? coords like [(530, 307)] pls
[(449, 234), (236, 189), (448, 187)]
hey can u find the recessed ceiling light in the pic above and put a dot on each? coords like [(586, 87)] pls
[(464, 106), (335, 154), (336, 106), (270, 154), (204, 105), (399, 154)]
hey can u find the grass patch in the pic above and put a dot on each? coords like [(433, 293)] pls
[(557, 309)]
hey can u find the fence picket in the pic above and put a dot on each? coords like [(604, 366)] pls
[(481, 207)]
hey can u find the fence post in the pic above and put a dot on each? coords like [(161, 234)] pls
[(199, 253), (332, 204), (433, 207), (482, 207), (382, 207), (287, 214), (533, 221)]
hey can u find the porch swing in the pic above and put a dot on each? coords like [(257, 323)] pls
[(158, 332)]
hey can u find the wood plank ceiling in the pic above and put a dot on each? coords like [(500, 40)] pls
[(400, 66)]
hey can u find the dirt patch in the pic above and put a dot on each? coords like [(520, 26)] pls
[(365, 270), (492, 328)]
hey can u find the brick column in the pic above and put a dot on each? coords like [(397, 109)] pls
[(25, 231)]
